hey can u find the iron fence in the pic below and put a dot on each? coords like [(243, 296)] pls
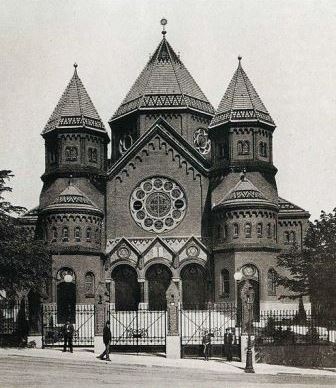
[(289, 328), (213, 320), (82, 318), (138, 330)]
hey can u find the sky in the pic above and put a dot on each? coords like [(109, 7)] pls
[(288, 50)]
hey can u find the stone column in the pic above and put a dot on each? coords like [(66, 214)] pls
[(143, 284)]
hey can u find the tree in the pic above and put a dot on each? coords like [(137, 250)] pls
[(312, 270), (24, 262)]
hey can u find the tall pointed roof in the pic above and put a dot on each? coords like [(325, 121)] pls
[(74, 109), (241, 102), (164, 83)]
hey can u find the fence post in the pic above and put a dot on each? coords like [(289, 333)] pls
[(173, 341)]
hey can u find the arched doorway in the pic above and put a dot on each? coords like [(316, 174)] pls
[(250, 272), (194, 286), (66, 296), (127, 290), (159, 278)]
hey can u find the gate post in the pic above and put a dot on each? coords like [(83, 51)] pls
[(173, 342), (99, 319)]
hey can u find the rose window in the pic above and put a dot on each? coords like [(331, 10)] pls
[(202, 141), (158, 204)]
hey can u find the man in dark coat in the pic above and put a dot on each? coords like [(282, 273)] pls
[(206, 342), (107, 341), (228, 340), (68, 332)]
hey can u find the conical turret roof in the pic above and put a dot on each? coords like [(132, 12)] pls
[(244, 193), (73, 199), (241, 102), (164, 83), (75, 109)]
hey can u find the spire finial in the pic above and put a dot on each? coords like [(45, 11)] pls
[(240, 58), (75, 66), (163, 23), (243, 175)]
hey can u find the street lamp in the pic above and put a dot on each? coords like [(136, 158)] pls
[(247, 297)]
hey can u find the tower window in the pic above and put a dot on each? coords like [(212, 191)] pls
[(65, 234), (88, 234), (243, 147), (259, 230), (93, 155), (286, 237), (292, 237), (78, 234), (71, 153), (269, 231), (248, 230), (89, 284), (235, 230), (271, 282), (263, 149), (225, 283), (54, 234), (97, 236)]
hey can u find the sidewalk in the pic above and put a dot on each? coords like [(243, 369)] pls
[(148, 361)]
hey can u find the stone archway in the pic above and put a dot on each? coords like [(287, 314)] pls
[(127, 290), (66, 296), (159, 278), (194, 286)]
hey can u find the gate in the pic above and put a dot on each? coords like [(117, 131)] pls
[(12, 323), (214, 320), (82, 318), (141, 330)]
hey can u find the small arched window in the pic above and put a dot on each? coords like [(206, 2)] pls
[(89, 284), (78, 234), (286, 237), (269, 231), (97, 236), (246, 147), (274, 232), (65, 234), (248, 230), (54, 234), (225, 283), (240, 147), (259, 230), (235, 230), (271, 282), (88, 234), (292, 237)]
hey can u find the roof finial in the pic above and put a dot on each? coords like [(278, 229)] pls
[(75, 66), (239, 58), (70, 180), (163, 23), (243, 175)]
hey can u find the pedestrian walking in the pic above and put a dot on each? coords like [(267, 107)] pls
[(107, 341), (206, 342), (228, 340), (68, 332)]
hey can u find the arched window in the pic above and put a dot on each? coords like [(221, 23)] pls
[(286, 237), (225, 283), (54, 234), (89, 284), (218, 232), (225, 232), (88, 233), (274, 232), (246, 147), (292, 237), (263, 149), (78, 234), (248, 230), (97, 235), (271, 282), (269, 231), (240, 147), (65, 233), (259, 230), (235, 230)]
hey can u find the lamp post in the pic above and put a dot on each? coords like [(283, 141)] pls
[(247, 297)]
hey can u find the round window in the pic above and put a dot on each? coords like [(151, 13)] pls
[(158, 204), (125, 143), (201, 141)]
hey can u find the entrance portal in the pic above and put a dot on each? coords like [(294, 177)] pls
[(194, 286), (159, 278), (127, 290)]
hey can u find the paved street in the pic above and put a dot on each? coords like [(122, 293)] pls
[(30, 369)]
